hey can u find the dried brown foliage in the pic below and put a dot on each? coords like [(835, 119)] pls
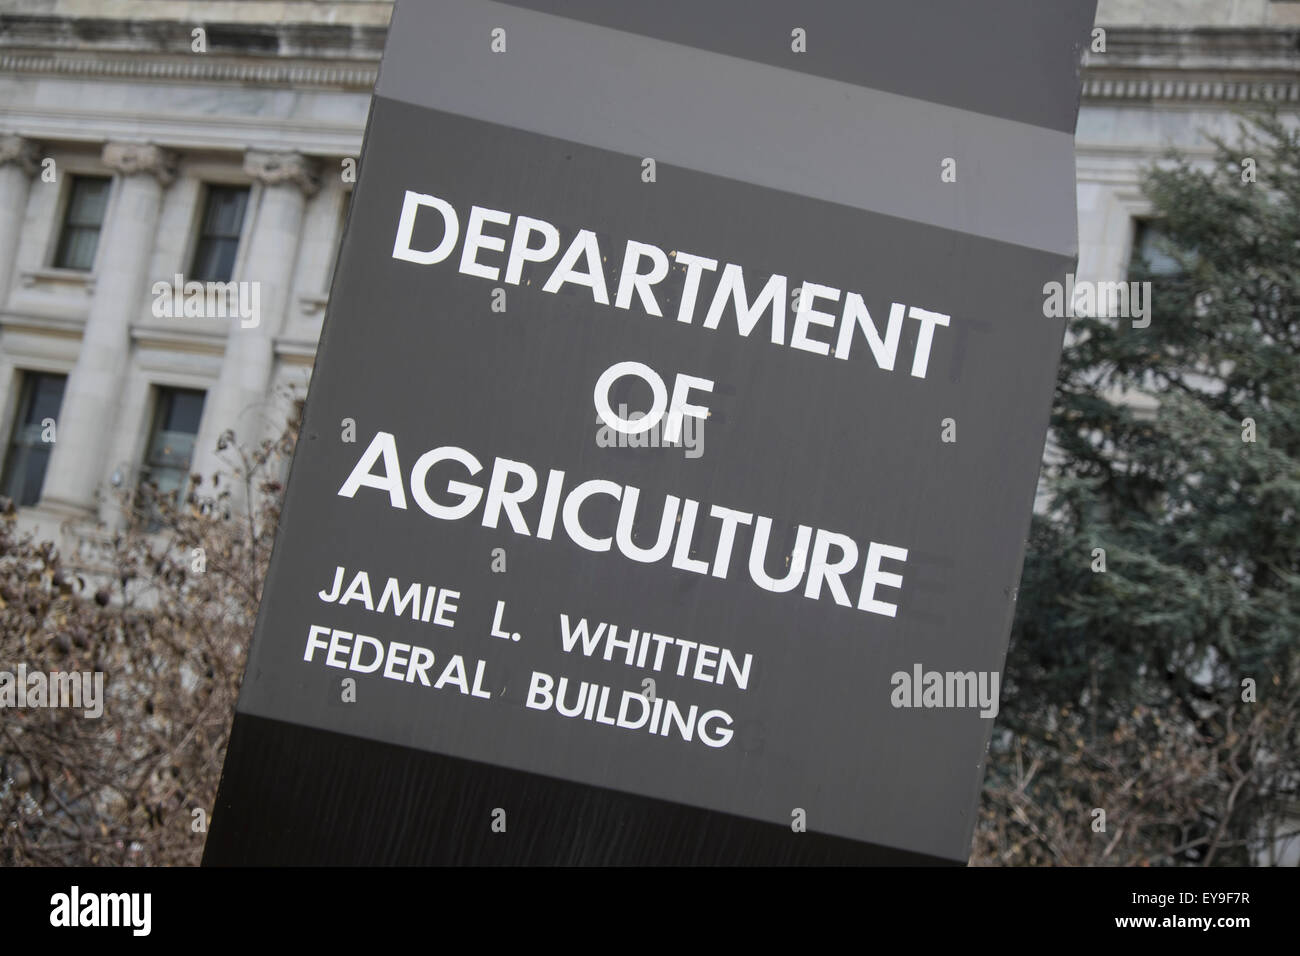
[(167, 621), (1174, 794)]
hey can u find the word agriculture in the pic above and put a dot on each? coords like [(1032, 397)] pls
[(581, 264), (826, 556)]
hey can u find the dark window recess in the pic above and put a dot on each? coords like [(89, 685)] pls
[(171, 441), (82, 221), (1149, 245), (40, 396), (218, 241)]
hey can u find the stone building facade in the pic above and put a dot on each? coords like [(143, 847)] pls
[(146, 140)]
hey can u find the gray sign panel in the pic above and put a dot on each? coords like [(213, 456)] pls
[(676, 420)]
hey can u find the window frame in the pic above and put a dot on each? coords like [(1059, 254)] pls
[(15, 447), (1139, 225), (206, 190), (59, 246), (147, 469)]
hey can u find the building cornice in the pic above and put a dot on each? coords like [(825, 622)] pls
[(1203, 64), (1200, 47), (1188, 90), (326, 41), (332, 56), (195, 71), (1195, 65)]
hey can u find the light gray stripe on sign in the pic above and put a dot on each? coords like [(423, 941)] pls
[(735, 118)]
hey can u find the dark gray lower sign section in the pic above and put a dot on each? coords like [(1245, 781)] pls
[(293, 795)]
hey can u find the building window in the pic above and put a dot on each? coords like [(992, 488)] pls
[(31, 442), (1149, 244), (82, 221), (223, 220), (171, 440)]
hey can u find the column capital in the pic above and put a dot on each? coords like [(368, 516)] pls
[(274, 169), (22, 152), (133, 159)]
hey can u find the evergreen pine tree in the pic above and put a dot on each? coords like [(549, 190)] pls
[(1174, 448)]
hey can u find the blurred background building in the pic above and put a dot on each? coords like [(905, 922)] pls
[(145, 140)]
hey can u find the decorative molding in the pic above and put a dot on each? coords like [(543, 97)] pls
[(274, 169), (20, 151), (1256, 48), (295, 351), (135, 159), (311, 304), (1229, 64), (225, 133), (188, 341), (69, 277), (1190, 89), (1195, 65), (44, 327), (295, 75)]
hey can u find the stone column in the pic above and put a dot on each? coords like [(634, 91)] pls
[(18, 161), (240, 402), (91, 401)]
